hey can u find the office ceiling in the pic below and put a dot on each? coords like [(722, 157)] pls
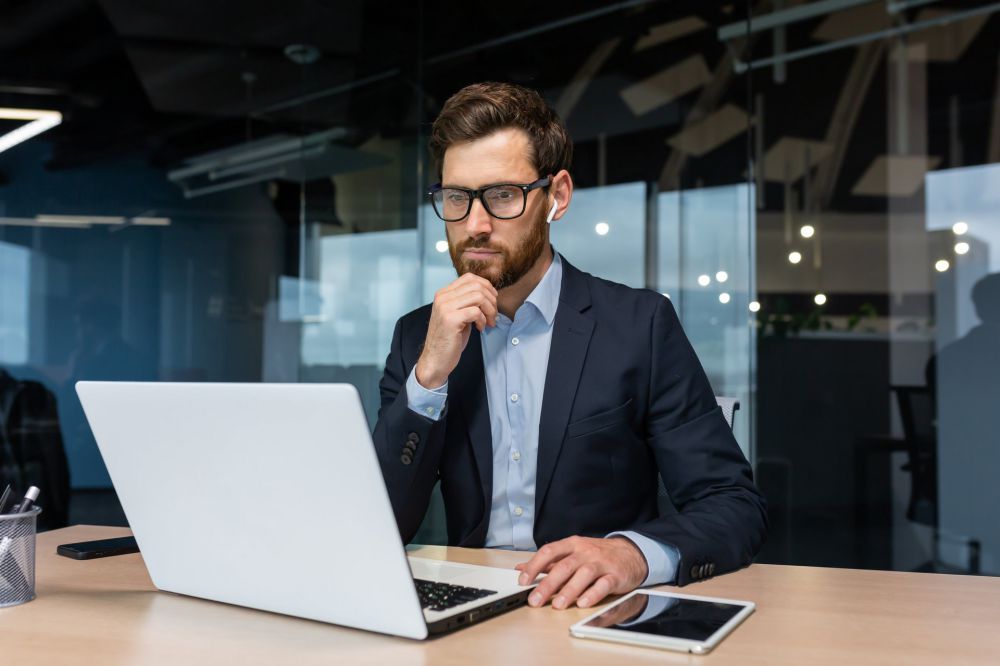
[(647, 85)]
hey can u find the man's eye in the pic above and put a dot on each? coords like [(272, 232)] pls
[(501, 195), (456, 197)]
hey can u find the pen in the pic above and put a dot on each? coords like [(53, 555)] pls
[(14, 575), (29, 499)]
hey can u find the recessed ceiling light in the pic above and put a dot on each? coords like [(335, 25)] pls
[(794, 257), (723, 298), (961, 248), (941, 265), (722, 276), (602, 228), (807, 231), (960, 228), (441, 246), (754, 306), (819, 299), (704, 280)]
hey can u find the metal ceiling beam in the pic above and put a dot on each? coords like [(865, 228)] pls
[(742, 67), (537, 30), (785, 17)]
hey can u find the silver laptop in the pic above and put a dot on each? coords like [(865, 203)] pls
[(270, 496)]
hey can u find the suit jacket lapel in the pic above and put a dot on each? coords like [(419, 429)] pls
[(571, 333), (469, 387)]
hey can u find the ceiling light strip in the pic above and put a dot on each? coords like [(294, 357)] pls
[(41, 120)]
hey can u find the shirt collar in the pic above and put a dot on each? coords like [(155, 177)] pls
[(545, 295)]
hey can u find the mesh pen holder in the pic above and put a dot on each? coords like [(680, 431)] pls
[(17, 557)]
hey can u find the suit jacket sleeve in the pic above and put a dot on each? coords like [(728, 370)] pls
[(721, 517), (409, 483)]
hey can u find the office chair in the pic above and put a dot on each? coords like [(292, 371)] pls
[(918, 414), (729, 408), (916, 411)]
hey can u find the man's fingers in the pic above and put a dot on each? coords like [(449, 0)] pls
[(581, 571), (554, 582), (582, 578), (477, 284), (476, 296), (595, 593), (473, 315), (472, 278), (542, 560)]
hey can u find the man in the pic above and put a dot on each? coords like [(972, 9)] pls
[(545, 399)]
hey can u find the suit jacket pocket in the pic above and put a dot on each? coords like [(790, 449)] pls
[(590, 424)]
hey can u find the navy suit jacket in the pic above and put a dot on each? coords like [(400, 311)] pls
[(625, 398)]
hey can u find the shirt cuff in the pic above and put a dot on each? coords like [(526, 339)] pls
[(426, 402), (661, 558)]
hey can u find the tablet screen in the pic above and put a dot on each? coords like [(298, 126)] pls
[(672, 617)]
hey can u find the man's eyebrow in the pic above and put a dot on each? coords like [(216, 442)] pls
[(481, 187)]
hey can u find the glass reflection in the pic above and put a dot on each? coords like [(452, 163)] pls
[(963, 375)]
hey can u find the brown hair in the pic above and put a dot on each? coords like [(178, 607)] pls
[(481, 109)]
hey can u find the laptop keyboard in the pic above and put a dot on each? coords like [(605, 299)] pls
[(442, 596)]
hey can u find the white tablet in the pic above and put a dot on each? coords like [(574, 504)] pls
[(665, 620)]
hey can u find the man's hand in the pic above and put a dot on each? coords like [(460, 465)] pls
[(583, 570), (469, 300)]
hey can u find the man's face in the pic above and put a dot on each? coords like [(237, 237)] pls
[(502, 251)]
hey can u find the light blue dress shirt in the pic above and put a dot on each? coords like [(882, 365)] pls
[(515, 359)]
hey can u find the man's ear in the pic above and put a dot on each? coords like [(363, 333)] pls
[(562, 194)]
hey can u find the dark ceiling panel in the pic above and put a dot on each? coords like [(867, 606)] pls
[(333, 27), (227, 58), (213, 82)]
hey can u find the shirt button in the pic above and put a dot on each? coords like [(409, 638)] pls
[(515, 342), (514, 397), (516, 456), (518, 511)]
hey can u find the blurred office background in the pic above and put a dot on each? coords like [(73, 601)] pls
[(233, 192)]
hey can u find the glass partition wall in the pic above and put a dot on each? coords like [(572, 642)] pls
[(240, 198), (875, 136)]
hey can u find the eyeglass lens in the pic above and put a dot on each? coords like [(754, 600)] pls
[(502, 201)]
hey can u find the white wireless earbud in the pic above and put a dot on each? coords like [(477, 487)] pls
[(552, 213)]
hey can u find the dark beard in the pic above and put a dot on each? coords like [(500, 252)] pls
[(513, 265)]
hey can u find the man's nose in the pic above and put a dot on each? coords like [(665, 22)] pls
[(479, 221)]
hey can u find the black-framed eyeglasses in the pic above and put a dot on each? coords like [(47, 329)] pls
[(504, 201)]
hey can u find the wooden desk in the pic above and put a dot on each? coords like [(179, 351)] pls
[(106, 612)]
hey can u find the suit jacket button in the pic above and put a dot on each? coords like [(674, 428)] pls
[(405, 459), (413, 437), (410, 446), (694, 571)]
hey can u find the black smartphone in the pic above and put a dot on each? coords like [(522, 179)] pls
[(88, 550)]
